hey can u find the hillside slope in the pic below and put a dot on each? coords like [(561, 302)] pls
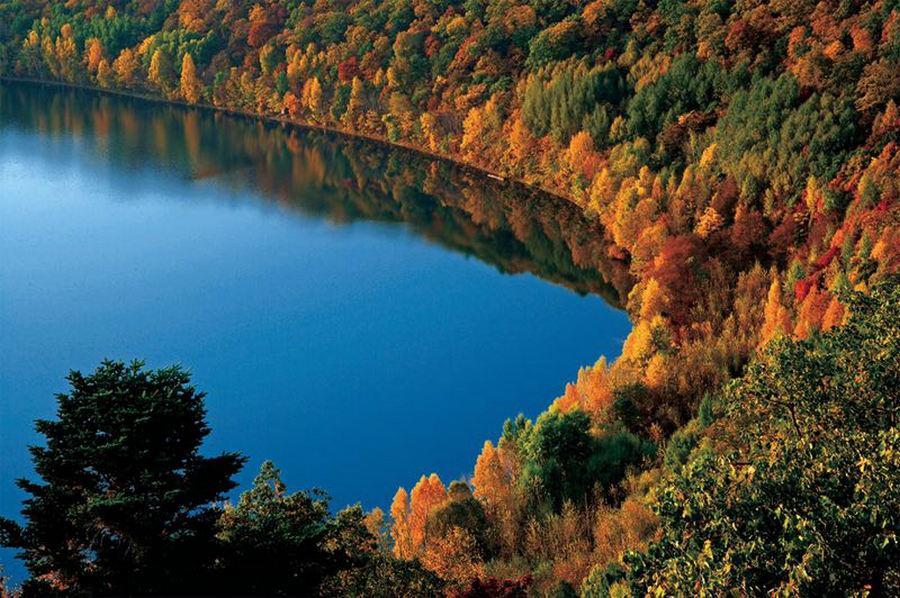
[(741, 156)]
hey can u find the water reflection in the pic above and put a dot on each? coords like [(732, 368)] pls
[(339, 179)]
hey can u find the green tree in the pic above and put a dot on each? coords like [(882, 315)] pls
[(565, 461), (280, 544), (384, 575), (574, 99), (463, 510), (125, 503), (556, 42), (803, 497), (160, 73), (687, 85)]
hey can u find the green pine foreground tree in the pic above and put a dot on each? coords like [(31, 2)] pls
[(280, 544), (128, 507), (125, 503)]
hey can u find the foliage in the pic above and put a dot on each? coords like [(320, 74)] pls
[(493, 587), (803, 496), (574, 99), (286, 544), (564, 461), (736, 162)]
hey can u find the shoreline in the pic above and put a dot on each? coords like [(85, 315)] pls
[(284, 121)]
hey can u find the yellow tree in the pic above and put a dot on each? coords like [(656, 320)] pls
[(268, 59), (710, 222), (92, 55), (355, 105), (812, 312), (403, 546), (834, 315), (595, 388), (426, 494), (493, 482), (454, 556), (521, 141), (473, 130), (160, 71), (581, 156), (490, 480), (777, 319), (104, 74), (430, 130), (570, 400), (66, 53), (48, 51), (374, 522), (312, 96), (638, 344), (31, 53), (653, 300), (126, 67), (648, 245), (657, 372), (294, 69), (190, 83)]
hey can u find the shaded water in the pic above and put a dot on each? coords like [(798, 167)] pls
[(358, 314)]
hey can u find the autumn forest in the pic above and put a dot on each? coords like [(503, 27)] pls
[(735, 170)]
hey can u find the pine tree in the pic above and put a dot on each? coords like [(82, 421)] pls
[(124, 507)]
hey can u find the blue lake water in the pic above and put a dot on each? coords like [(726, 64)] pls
[(358, 315)]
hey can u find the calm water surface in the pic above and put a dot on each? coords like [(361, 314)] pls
[(359, 315)]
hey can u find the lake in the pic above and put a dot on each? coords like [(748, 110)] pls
[(360, 315)]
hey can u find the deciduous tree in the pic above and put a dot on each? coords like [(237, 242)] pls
[(191, 87)]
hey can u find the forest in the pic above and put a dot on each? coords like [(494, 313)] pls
[(738, 161)]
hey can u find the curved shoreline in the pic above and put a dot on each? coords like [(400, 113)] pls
[(269, 118)]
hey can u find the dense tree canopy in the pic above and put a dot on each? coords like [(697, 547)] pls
[(798, 493), (737, 165)]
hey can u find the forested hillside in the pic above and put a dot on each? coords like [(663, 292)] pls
[(742, 158)]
